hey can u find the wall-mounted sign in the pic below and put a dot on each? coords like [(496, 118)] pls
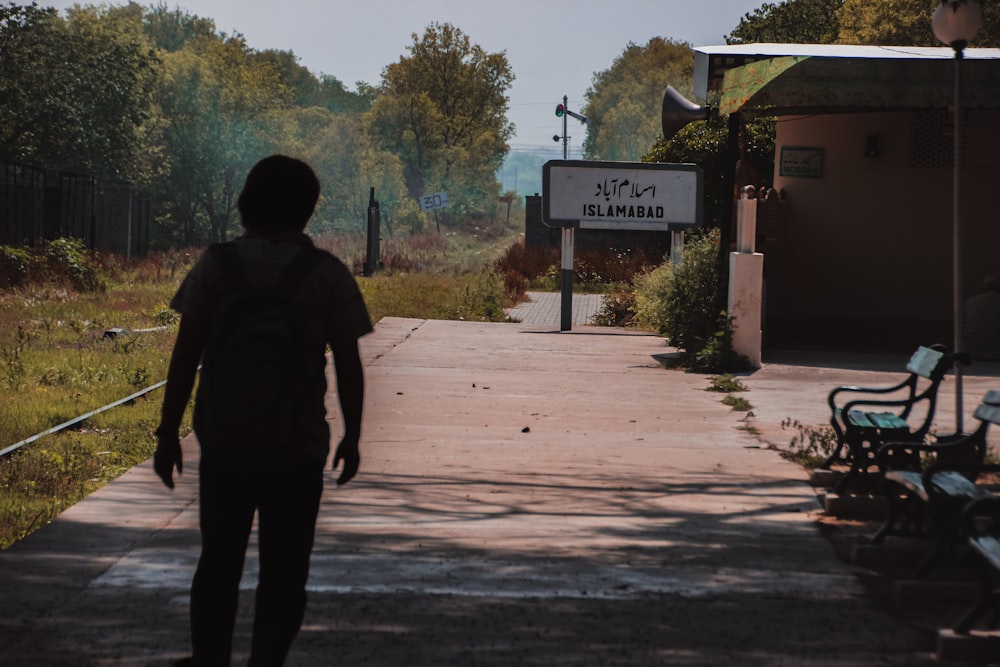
[(801, 161), (621, 195)]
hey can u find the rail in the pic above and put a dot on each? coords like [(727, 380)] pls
[(81, 418)]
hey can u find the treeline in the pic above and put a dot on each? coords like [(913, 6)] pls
[(159, 98)]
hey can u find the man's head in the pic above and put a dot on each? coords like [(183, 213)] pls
[(279, 195)]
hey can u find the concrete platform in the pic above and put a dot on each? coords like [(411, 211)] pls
[(526, 497)]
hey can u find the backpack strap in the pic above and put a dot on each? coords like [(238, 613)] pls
[(298, 268), (229, 258)]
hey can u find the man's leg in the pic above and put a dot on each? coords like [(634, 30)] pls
[(227, 509), (286, 526)]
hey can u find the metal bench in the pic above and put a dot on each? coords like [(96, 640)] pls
[(928, 485), (863, 422), (981, 519)]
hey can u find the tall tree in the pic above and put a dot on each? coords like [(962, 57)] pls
[(443, 110), (307, 90), (793, 21), (76, 91), (220, 108), (623, 102), (173, 29), (886, 22), (905, 22)]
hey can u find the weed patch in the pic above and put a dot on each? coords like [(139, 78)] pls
[(811, 445)]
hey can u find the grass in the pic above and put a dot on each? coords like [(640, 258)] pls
[(56, 363)]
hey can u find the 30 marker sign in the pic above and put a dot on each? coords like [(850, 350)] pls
[(435, 201)]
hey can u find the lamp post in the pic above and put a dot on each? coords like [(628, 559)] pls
[(956, 22)]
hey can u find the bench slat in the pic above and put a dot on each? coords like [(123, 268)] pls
[(911, 480), (887, 421), (924, 361), (859, 418), (988, 413), (988, 546), (957, 485)]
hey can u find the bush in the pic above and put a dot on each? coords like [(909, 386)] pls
[(15, 264), (70, 259), (691, 308), (617, 309), (652, 293)]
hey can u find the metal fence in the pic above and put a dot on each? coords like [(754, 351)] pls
[(38, 205)]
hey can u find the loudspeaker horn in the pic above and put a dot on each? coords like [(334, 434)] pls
[(678, 111)]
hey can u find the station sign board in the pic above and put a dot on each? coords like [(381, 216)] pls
[(622, 195)]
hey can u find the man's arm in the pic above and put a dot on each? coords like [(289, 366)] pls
[(188, 347), (351, 392)]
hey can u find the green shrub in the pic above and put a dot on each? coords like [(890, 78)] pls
[(726, 384), (652, 293), (811, 445), (15, 264), (691, 308), (617, 309), (717, 354), (70, 259)]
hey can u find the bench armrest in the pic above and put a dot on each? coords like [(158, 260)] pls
[(874, 403), (831, 398), (981, 507)]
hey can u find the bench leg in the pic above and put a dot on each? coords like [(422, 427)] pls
[(906, 513), (987, 600), (861, 447)]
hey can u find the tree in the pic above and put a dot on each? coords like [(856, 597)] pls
[(307, 90), (905, 22), (887, 22), (221, 110), (794, 21), (77, 91), (704, 143), (443, 110), (623, 103), (173, 29)]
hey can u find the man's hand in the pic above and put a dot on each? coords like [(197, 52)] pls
[(167, 455), (347, 451)]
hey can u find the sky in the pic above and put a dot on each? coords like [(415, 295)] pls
[(554, 48)]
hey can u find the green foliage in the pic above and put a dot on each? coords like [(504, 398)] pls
[(887, 22), (905, 22), (652, 293), (795, 21), (718, 353), (704, 143), (811, 445), (618, 309), (692, 313), (726, 383), (623, 102), (77, 91), (15, 264), (442, 110), (737, 403), (71, 259)]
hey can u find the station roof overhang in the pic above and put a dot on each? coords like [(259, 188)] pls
[(791, 79)]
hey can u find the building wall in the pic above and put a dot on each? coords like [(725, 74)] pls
[(864, 256)]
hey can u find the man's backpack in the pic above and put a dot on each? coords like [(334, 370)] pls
[(255, 362)]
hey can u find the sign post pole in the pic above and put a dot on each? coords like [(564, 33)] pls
[(566, 305)]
